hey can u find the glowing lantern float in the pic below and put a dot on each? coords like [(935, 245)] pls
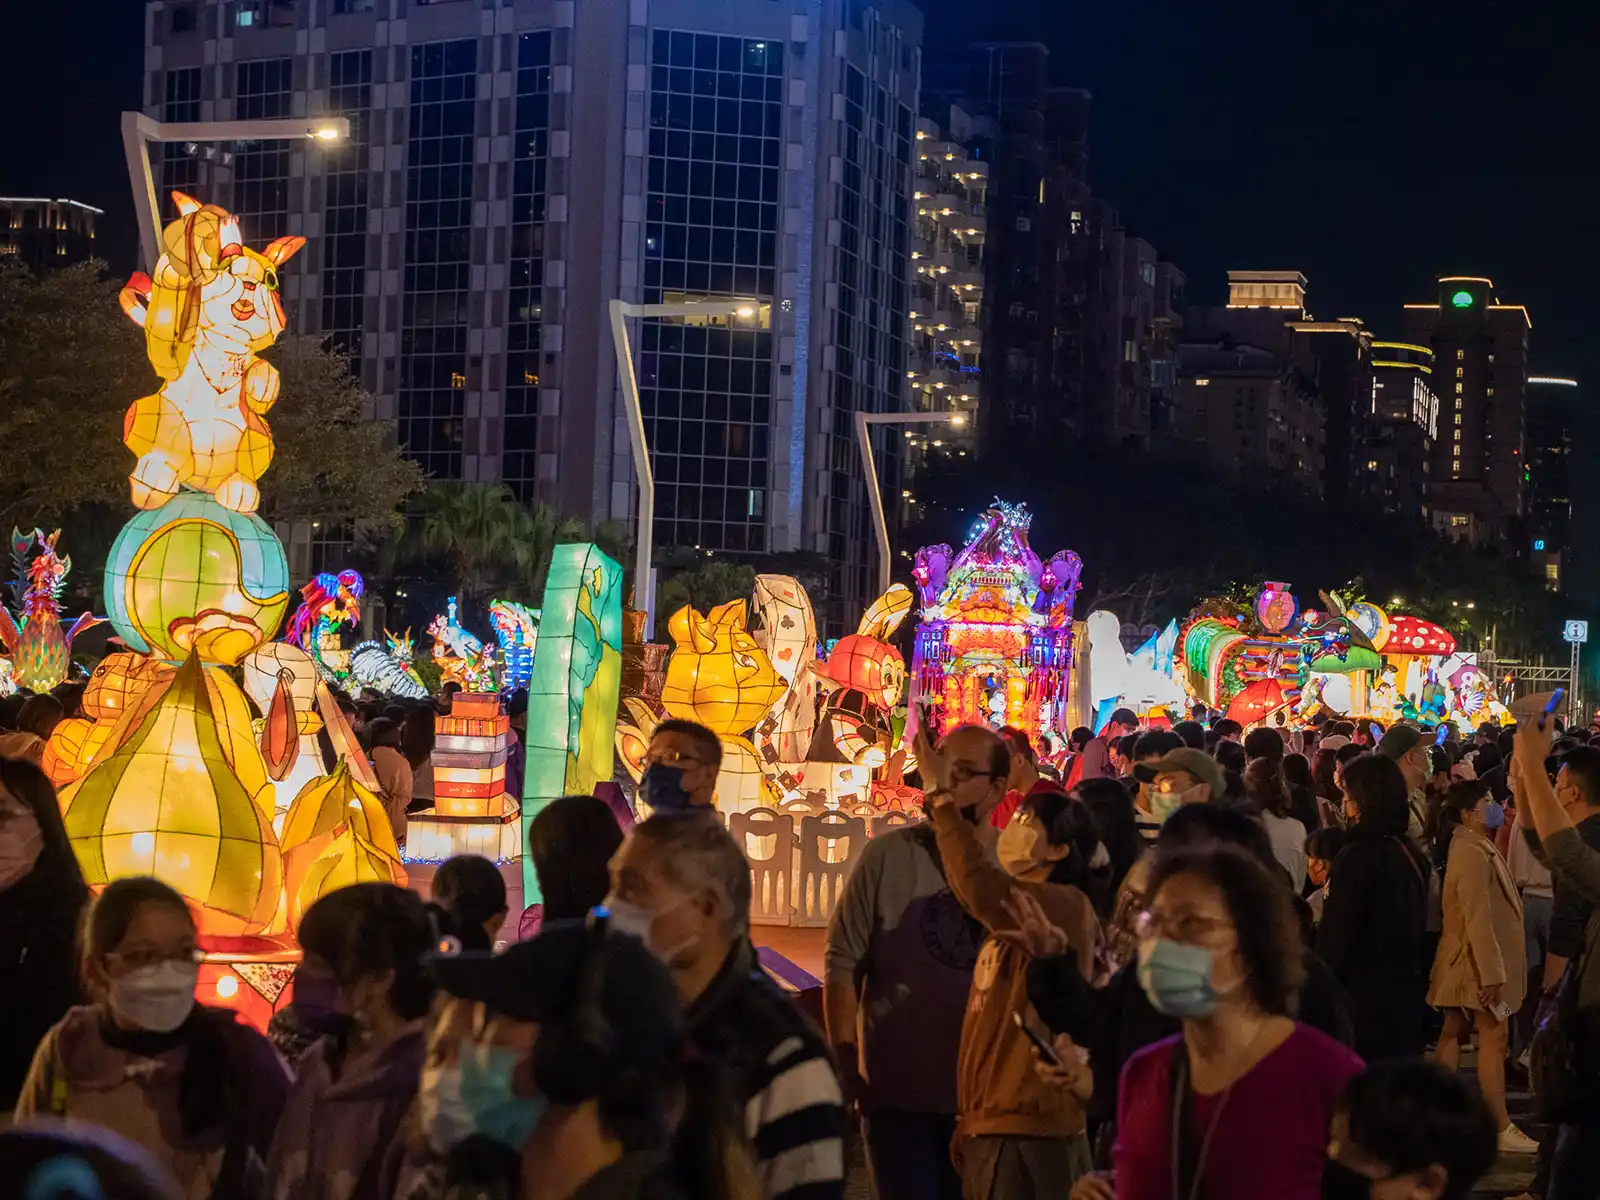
[(169, 802), (336, 833)]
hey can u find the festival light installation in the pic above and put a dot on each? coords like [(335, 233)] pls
[(117, 681), (994, 645), (787, 635), (1230, 661), (516, 628), (576, 681), (335, 834), (719, 676), (40, 649), (461, 656)]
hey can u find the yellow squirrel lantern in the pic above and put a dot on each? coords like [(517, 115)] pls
[(719, 676), (212, 304)]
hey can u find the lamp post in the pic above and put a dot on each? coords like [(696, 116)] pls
[(880, 525), (139, 131), (644, 597)]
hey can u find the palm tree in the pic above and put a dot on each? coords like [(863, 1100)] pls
[(537, 533), (474, 525)]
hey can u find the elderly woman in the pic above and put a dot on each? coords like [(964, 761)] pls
[(1478, 976)]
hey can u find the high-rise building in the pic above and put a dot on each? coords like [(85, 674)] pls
[(1478, 483), (1552, 413), (515, 166), (46, 233), (1150, 312), (1400, 431)]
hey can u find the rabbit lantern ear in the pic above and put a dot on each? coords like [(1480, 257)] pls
[(886, 613)]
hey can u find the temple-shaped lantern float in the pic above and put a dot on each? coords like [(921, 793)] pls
[(1244, 660), (994, 645)]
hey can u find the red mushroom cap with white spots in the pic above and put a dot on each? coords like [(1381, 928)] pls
[(1414, 636)]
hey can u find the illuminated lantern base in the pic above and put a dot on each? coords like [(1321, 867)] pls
[(469, 758), (250, 975), (432, 838), (193, 575)]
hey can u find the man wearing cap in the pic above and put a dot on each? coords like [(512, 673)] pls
[(574, 1079), (1405, 746)]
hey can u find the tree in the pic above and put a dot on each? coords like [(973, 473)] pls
[(71, 363)]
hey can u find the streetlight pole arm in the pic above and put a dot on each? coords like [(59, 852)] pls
[(643, 593), (136, 137)]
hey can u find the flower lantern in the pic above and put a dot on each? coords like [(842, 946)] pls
[(169, 802)]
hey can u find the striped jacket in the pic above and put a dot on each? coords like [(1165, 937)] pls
[(780, 1072)]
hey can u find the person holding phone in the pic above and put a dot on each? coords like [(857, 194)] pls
[(1479, 975)]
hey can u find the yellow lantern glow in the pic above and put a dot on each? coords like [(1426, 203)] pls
[(336, 829), (717, 674), (166, 802), (210, 306)]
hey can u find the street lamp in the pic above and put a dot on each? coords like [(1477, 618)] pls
[(139, 131), (644, 597), (880, 525)]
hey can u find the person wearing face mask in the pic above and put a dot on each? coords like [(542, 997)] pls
[(1411, 752), (1151, 747), (1408, 1130), (680, 767), (1374, 912), (681, 884), (197, 1091), (1478, 977), (42, 897), (1241, 1102), (1017, 1136), (342, 1132), (569, 1054)]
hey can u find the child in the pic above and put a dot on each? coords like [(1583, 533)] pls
[(1322, 847)]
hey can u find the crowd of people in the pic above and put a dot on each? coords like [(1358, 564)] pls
[(1152, 964)]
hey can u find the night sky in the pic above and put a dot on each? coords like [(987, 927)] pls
[(1371, 145)]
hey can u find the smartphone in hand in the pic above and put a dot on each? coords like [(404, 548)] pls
[(1045, 1049)]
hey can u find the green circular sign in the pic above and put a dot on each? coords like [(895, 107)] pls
[(1462, 300)]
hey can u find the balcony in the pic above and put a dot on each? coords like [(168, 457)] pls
[(947, 206), (971, 229), (950, 152), (940, 262), (964, 280)]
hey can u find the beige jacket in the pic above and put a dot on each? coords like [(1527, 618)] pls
[(1482, 944)]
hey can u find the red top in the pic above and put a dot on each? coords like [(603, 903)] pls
[(1273, 1137), (1000, 815)]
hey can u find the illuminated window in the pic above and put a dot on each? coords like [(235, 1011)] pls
[(1202, 383), (1459, 389), (1552, 572), (1458, 403), (1457, 520), (1491, 391), (1460, 354), (1460, 371), (1458, 435), (1458, 418)]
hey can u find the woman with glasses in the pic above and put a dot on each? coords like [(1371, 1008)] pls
[(1240, 1103), (198, 1092)]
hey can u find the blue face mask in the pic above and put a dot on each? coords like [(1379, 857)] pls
[(487, 1098), (662, 788), (1494, 815), (1177, 978)]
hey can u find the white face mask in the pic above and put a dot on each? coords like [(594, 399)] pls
[(158, 998), (446, 1119), (636, 920), (21, 840), (1019, 848)]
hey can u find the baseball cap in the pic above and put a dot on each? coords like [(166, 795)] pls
[(540, 980), (1333, 741), (1399, 742), (1197, 762)]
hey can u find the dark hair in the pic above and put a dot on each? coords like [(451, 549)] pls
[(107, 920), (1325, 844), (40, 715), (1230, 756), (1017, 742), (1460, 798), (51, 1159), (10, 706), (1124, 716), (71, 697), (1376, 787), (1409, 1115), (1191, 733), (1297, 771), (471, 889), (1202, 824), (1227, 727), (1154, 743), (571, 841), (383, 731), (1263, 916), (368, 928), (1349, 752), (1213, 740), (1323, 774), (1264, 743), (1066, 822), (1264, 785), (1111, 806), (417, 736), (705, 741), (57, 862), (1080, 737), (1583, 764)]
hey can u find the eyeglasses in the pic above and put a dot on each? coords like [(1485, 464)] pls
[(137, 960), (961, 773), (672, 758), (1178, 927)]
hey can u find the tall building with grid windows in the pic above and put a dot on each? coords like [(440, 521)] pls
[(514, 165)]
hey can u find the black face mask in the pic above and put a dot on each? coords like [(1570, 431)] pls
[(1340, 1182), (662, 788)]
